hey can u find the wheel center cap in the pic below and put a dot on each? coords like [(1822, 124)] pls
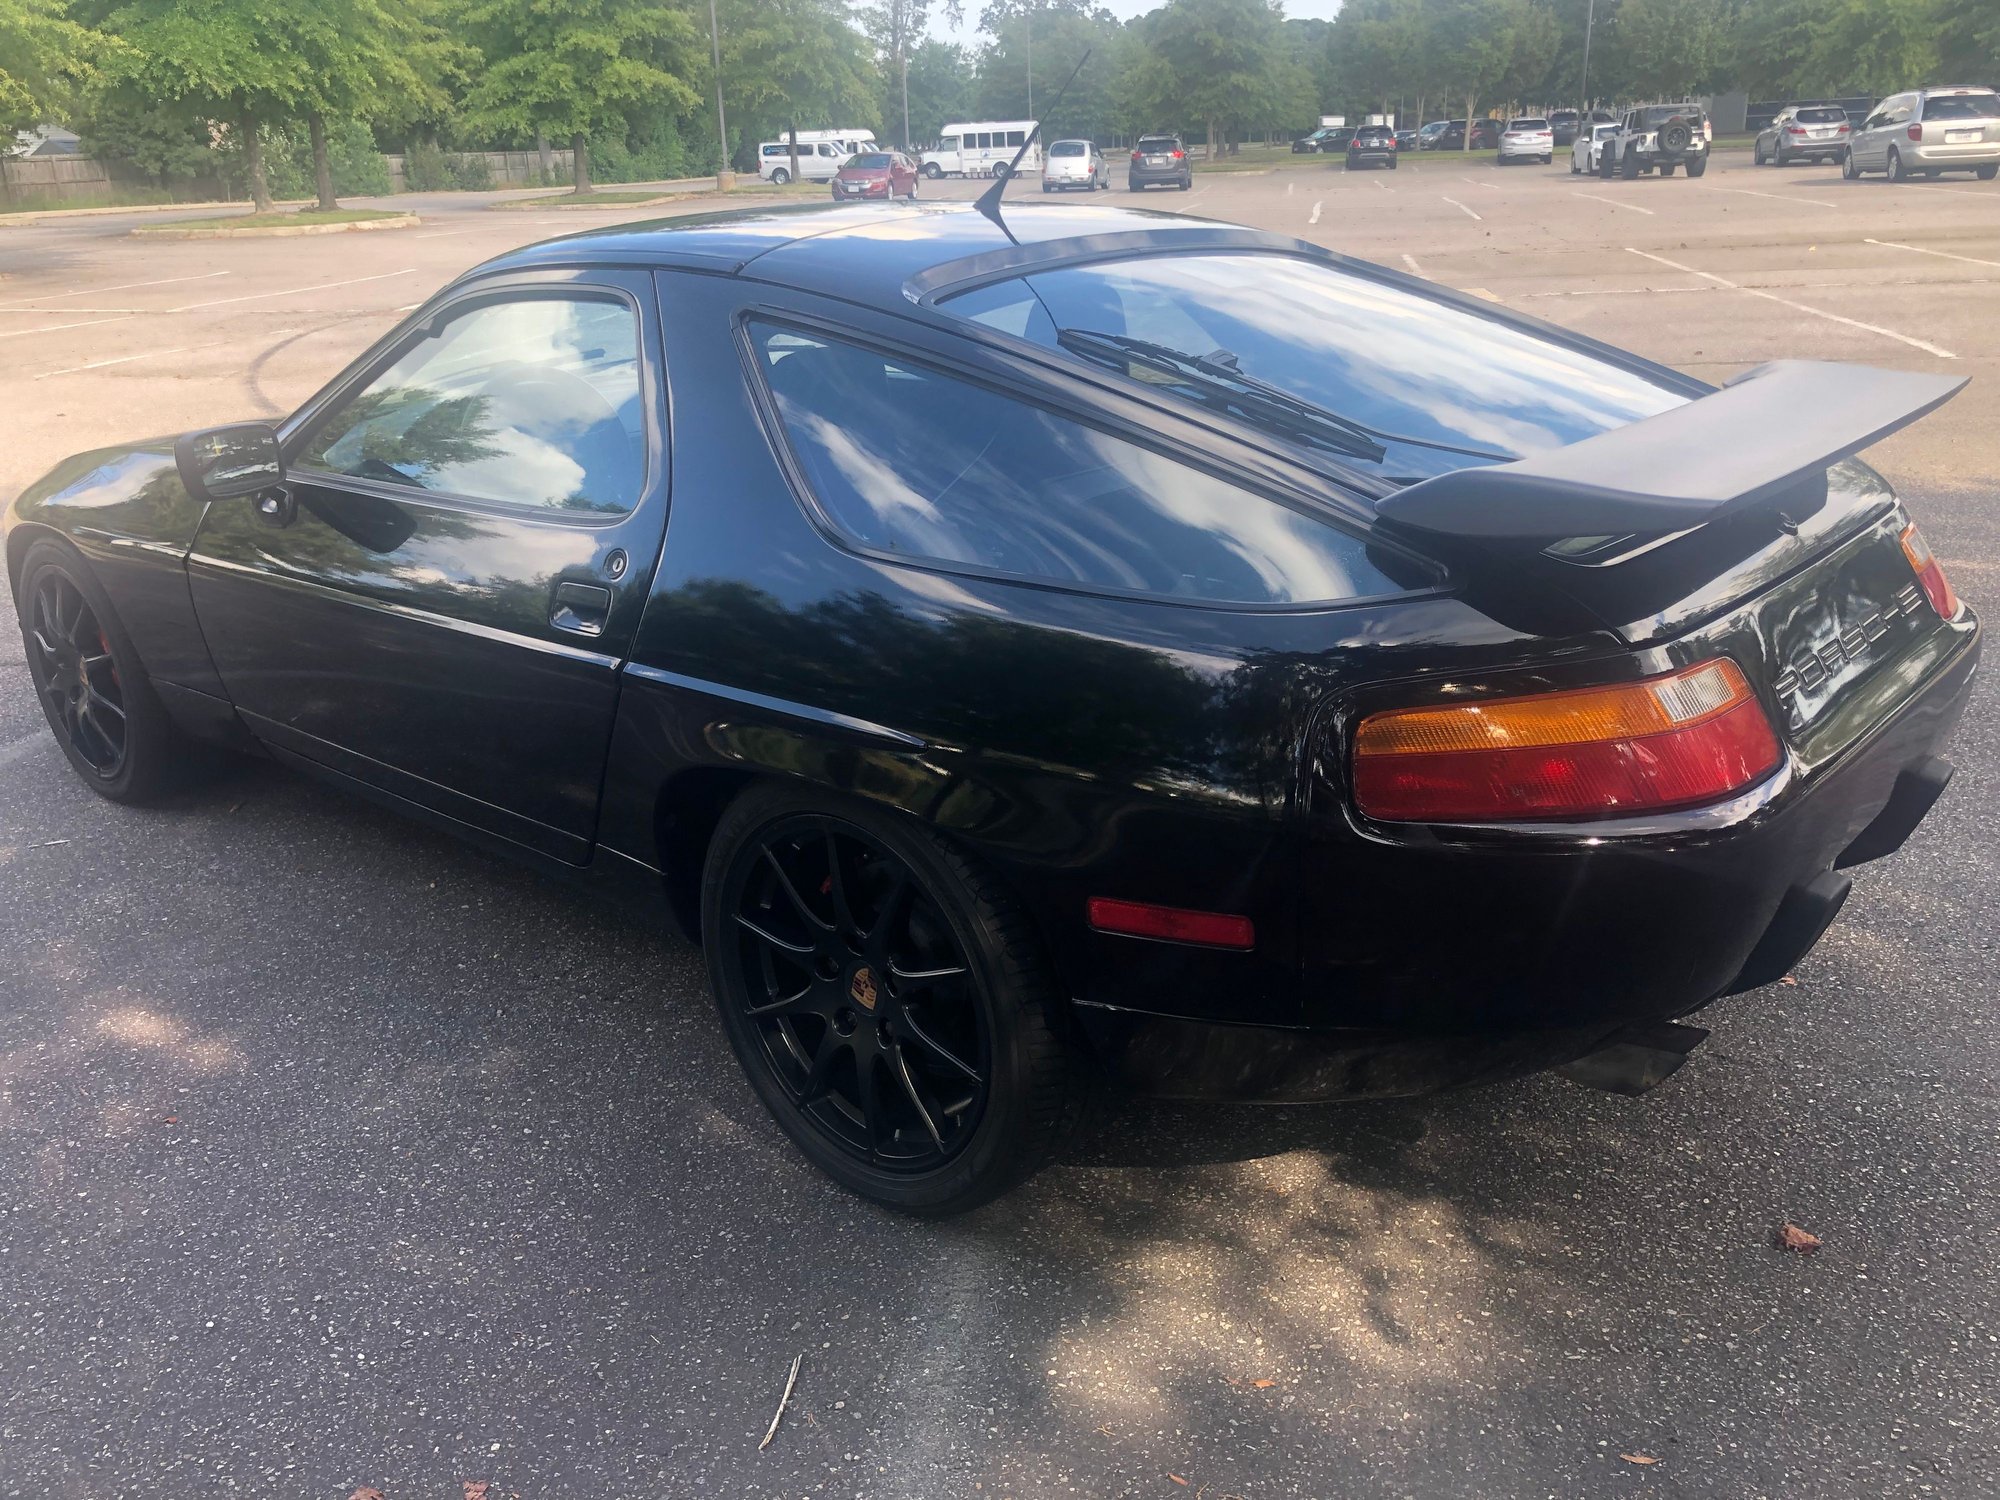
[(863, 988)]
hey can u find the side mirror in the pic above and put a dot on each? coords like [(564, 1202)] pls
[(226, 462)]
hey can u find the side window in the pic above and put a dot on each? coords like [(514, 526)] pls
[(1016, 137), (948, 143), (533, 401), (902, 460)]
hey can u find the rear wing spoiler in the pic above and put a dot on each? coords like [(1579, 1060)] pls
[(1760, 437)]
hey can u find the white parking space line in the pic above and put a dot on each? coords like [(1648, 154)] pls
[(1614, 202), (1970, 260), (1964, 192), (126, 359), (1620, 291), (21, 333), (1415, 269), (123, 286), (1817, 312), (1780, 197), (324, 286), (60, 312), (1383, 185), (1477, 183), (1313, 218), (1463, 209), (441, 234)]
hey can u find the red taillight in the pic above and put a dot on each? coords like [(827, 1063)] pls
[(1170, 924), (1930, 573), (1915, 132), (1179, 154), (1135, 156), (1679, 740), (1844, 128), (1795, 130)]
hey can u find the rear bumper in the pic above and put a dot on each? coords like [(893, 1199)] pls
[(1518, 957), (1978, 154)]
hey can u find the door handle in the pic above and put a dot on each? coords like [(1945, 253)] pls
[(580, 608)]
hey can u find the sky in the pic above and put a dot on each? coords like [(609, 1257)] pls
[(1124, 10)]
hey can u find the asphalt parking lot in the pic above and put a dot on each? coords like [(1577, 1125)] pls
[(333, 1154)]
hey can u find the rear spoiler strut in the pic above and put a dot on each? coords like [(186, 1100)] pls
[(1757, 439)]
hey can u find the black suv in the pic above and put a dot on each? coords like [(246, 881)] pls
[(1658, 138), (1159, 159), (1372, 146)]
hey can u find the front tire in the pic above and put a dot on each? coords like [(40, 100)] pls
[(890, 1004), (96, 696), (933, 171)]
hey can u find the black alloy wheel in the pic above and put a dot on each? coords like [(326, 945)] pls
[(93, 690), (888, 1005), (69, 658)]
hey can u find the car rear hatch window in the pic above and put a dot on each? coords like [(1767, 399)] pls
[(1962, 107), (1067, 148), (1440, 387), (1824, 115)]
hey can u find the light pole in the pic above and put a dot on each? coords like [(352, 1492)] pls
[(906, 97), (1583, 104), (725, 179), (1029, 19)]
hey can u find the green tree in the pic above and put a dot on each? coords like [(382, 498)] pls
[(1672, 49), (578, 67), (1052, 36), (1968, 39), (896, 28), (235, 60), (793, 62), (1875, 46), (362, 59), (1209, 61), (941, 89), (167, 142), (44, 58)]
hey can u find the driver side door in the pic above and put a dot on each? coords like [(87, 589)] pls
[(440, 601)]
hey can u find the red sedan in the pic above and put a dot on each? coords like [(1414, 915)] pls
[(876, 174)]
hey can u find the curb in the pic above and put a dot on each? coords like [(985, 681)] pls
[(269, 231)]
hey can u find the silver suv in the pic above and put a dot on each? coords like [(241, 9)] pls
[(1928, 131)]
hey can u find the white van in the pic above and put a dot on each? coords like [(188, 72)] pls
[(821, 153), (979, 148)]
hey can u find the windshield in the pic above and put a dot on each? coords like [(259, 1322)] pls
[(1068, 148), (1827, 114), (1393, 361), (1962, 107)]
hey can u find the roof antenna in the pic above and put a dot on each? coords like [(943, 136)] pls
[(989, 201)]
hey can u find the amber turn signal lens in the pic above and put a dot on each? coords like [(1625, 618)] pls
[(1666, 742), (1930, 573)]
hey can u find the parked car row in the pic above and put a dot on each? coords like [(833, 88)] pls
[(1928, 131)]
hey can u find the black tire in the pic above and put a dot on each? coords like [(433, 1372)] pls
[(1849, 167), (1757, 156), (1697, 165), (779, 177), (1988, 172), (1000, 171), (1675, 136), (1187, 182), (1628, 164), (1133, 187), (1666, 169), (1394, 164), (100, 705), (933, 171), (1779, 158), (987, 1017), (1895, 172)]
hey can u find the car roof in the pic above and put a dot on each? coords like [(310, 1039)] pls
[(867, 252)]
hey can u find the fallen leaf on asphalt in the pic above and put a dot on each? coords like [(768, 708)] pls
[(171, 1120), (365, 1493), (1178, 1480), (1263, 1385), (1791, 1237), (475, 1489), (1638, 1458), (1789, 979)]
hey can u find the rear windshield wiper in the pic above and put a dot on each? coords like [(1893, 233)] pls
[(1216, 376), (1257, 399)]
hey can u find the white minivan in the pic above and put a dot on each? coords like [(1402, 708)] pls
[(980, 148), (821, 153)]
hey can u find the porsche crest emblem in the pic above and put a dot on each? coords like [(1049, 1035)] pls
[(861, 988)]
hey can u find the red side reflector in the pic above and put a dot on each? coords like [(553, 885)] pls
[(1930, 573), (1170, 924), (1679, 740)]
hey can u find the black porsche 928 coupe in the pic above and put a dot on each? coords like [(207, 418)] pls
[(1105, 644)]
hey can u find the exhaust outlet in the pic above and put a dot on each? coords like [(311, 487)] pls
[(1637, 1059)]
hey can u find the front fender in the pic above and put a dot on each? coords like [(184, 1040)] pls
[(126, 510)]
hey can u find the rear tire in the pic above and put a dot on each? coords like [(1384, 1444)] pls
[(924, 1064), (1988, 172), (1628, 164), (1895, 171), (1697, 165), (1757, 156), (1849, 167), (1666, 169), (97, 698), (780, 177)]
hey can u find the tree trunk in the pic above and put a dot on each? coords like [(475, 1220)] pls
[(253, 163), (544, 157), (322, 163), (579, 151), (1211, 141), (792, 135), (1470, 122)]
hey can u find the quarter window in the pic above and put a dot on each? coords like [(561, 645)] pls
[(533, 402), (905, 461)]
